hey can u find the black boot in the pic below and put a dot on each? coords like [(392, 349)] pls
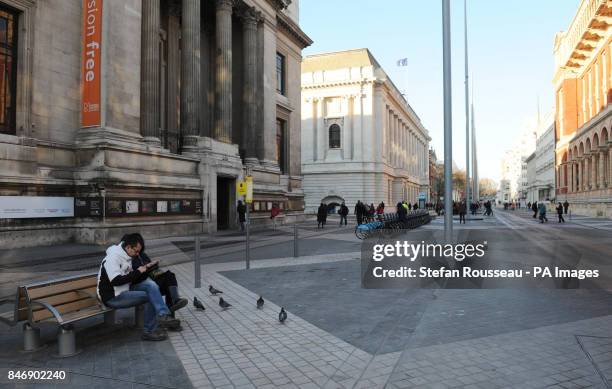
[(177, 301)]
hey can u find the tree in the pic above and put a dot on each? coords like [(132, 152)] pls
[(487, 187)]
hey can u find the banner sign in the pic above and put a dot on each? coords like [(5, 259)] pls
[(249, 190), (91, 63), (22, 207)]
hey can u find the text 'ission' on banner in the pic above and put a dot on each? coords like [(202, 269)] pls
[(91, 63)]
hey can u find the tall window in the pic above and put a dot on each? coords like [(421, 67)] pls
[(281, 150), (280, 73), (334, 136), (8, 69)]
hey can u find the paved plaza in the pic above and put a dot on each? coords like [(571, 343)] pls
[(339, 335)]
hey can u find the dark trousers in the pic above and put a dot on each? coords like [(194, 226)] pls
[(343, 217), (165, 281), (535, 214), (462, 218), (561, 219), (359, 218)]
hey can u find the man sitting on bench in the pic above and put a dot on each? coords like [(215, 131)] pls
[(114, 279)]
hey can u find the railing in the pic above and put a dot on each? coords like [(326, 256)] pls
[(389, 222)]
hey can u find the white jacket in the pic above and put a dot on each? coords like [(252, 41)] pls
[(116, 263)]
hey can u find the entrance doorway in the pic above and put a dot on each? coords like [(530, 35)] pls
[(224, 202)]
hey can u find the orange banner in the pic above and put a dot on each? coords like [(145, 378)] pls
[(91, 63)]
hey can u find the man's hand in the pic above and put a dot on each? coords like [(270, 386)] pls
[(142, 269), (152, 264)]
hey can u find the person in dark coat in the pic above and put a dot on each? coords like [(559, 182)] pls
[(321, 216), (462, 212), (241, 209), (565, 207), (560, 213), (166, 280), (359, 208), (415, 206), (343, 214), (534, 208), (401, 212)]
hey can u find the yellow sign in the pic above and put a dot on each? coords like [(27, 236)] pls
[(241, 188), (249, 189)]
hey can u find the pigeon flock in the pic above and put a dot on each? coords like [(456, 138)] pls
[(282, 315)]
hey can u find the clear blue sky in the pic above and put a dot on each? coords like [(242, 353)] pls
[(511, 60)]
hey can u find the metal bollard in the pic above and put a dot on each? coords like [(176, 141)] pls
[(139, 317), (31, 338), (66, 342), (295, 241), (196, 263)]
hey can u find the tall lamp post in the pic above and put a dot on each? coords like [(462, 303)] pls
[(467, 112), (448, 125)]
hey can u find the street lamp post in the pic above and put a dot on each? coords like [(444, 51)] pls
[(467, 112), (448, 126)]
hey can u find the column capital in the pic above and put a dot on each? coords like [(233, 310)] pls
[(175, 8), (250, 17), (225, 5)]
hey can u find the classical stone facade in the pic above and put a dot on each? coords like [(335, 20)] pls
[(361, 140), (189, 100), (583, 82)]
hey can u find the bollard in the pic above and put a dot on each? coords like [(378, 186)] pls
[(248, 238), (31, 338), (66, 342), (196, 263), (139, 317), (110, 318), (295, 241)]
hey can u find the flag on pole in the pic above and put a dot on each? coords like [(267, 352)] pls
[(402, 62)]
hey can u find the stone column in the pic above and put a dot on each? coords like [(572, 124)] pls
[(149, 72), (593, 185), (609, 167), (223, 85), (191, 82), (601, 170), (250, 18)]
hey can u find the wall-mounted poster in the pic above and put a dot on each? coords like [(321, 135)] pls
[(86, 207), (162, 206), (148, 206), (114, 207), (131, 206), (19, 207), (175, 206)]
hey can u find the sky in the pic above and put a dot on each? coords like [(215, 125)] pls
[(510, 59)]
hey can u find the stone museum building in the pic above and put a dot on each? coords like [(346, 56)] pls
[(361, 140), (583, 86), (141, 115)]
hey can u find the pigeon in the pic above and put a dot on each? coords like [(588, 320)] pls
[(198, 304), (224, 304), (213, 291), (282, 316), (260, 302)]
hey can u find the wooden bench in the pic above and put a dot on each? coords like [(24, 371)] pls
[(64, 301)]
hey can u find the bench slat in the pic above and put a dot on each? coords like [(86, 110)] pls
[(65, 298), (51, 289), (66, 309)]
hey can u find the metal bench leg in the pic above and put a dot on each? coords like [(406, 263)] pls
[(31, 338), (110, 318), (139, 317), (66, 342)]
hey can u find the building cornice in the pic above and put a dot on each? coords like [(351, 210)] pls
[(285, 24)]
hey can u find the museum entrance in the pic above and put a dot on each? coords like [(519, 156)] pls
[(224, 202)]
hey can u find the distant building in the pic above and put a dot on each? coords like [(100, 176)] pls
[(361, 140), (583, 90), (436, 177)]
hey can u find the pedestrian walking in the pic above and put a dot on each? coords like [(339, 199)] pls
[(462, 212), (321, 216), (560, 213), (273, 214), (542, 210), (343, 214), (565, 207), (534, 208), (241, 210), (359, 208)]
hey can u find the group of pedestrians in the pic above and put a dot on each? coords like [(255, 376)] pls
[(539, 210)]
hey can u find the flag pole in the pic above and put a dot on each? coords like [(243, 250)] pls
[(448, 125), (467, 112)]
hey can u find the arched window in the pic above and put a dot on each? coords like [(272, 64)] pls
[(334, 136)]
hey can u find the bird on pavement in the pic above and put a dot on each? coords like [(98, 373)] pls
[(224, 304), (282, 316), (213, 291), (198, 304), (260, 302)]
